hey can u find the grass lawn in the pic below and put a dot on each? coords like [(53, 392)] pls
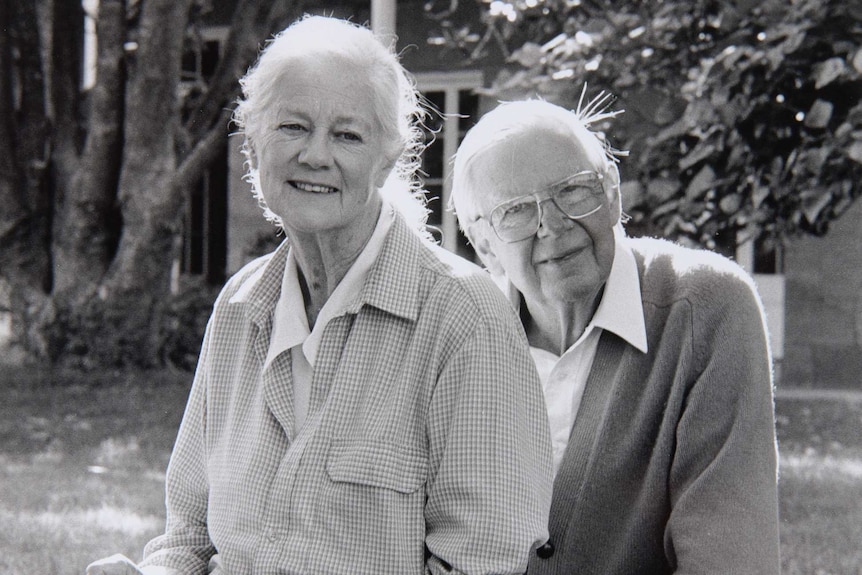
[(82, 460), (820, 490)]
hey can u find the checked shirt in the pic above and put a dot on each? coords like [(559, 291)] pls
[(426, 445)]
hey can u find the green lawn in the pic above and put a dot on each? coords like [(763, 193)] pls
[(82, 461)]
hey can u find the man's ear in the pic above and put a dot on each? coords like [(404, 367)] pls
[(486, 253), (611, 186)]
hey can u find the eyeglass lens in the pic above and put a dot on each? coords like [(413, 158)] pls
[(520, 219)]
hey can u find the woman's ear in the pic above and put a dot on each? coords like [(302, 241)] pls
[(386, 168)]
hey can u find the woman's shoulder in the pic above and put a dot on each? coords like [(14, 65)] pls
[(247, 276), (464, 285)]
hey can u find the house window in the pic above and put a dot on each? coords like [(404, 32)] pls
[(453, 95), (204, 250), (202, 54), (205, 226), (768, 257), (763, 256)]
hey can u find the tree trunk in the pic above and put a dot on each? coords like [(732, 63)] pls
[(87, 224), (138, 279), (110, 180), (25, 150)]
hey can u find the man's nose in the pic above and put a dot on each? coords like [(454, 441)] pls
[(317, 152), (552, 220)]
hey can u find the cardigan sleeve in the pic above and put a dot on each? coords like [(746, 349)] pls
[(723, 479)]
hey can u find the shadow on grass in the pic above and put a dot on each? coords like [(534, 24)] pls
[(82, 460)]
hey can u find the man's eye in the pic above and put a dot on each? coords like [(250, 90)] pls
[(516, 209)]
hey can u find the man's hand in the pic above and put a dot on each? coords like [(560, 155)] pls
[(117, 564)]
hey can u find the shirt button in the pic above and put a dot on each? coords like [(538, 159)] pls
[(545, 551), (271, 535)]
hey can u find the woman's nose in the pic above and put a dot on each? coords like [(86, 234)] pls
[(316, 152), (552, 220)]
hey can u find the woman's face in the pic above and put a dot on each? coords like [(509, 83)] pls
[(320, 152)]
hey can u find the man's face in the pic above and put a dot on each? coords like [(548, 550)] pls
[(565, 261)]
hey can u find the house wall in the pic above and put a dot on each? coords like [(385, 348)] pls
[(823, 314)]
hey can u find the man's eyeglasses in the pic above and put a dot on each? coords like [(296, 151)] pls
[(578, 196)]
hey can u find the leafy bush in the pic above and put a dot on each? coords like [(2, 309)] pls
[(184, 322), (743, 118), (94, 335)]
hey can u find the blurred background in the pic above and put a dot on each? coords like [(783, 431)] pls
[(124, 210)]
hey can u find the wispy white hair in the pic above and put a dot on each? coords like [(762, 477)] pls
[(397, 106), (511, 119)]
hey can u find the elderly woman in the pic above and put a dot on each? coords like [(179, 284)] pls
[(364, 402)]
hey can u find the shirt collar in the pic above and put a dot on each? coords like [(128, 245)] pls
[(621, 309), (290, 323), (390, 285)]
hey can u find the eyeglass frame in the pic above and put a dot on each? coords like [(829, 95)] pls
[(594, 181)]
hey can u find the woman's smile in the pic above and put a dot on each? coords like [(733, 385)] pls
[(313, 188)]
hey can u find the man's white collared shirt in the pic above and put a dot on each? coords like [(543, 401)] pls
[(564, 378)]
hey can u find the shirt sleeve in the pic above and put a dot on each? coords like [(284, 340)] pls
[(185, 546), (723, 480), (490, 483)]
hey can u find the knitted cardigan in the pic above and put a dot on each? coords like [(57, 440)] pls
[(672, 464)]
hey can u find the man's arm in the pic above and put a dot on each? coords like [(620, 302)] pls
[(723, 479)]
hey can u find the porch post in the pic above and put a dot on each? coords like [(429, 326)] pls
[(383, 17)]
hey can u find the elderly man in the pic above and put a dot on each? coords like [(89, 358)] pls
[(654, 358)]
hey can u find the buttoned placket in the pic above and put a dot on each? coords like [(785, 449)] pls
[(278, 389)]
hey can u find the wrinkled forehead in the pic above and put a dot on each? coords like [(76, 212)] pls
[(522, 162), (308, 83)]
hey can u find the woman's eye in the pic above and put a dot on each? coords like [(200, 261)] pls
[(350, 136), (291, 127)]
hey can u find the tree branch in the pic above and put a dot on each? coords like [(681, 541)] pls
[(253, 21), (202, 155)]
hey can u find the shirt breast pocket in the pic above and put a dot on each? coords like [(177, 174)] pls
[(371, 509), (377, 464)]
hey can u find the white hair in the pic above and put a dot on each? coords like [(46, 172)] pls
[(397, 105), (511, 119)]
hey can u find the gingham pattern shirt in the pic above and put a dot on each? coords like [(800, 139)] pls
[(426, 448)]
